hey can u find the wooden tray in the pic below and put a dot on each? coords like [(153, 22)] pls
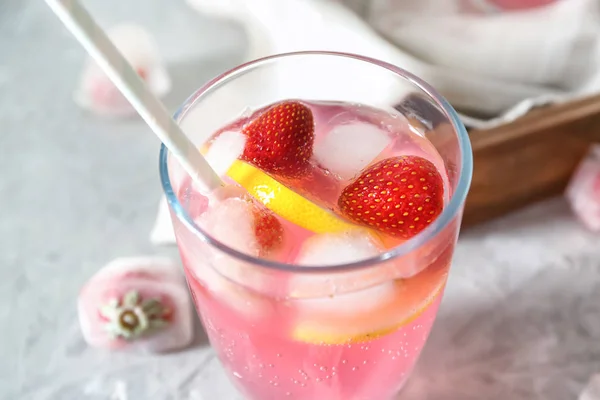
[(529, 159)]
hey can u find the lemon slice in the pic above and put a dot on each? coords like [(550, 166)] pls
[(285, 202), (412, 297)]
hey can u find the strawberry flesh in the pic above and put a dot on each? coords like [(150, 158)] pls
[(399, 196), (280, 140), (268, 230)]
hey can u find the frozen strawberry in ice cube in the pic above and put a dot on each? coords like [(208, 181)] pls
[(138, 303), (97, 93), (583, 191)]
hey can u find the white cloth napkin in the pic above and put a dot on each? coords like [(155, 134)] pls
[(592, 390), (543, 54), (494, 64)]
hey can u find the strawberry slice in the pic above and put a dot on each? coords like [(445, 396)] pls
[(268, 230), (280, 140), (398, 196)]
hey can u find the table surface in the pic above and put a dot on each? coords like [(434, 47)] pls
[(520, 318)]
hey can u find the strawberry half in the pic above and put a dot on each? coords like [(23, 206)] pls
[(398, 196), (268, 230), (280, 140)]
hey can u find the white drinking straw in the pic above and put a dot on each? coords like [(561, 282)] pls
[(97, 44)]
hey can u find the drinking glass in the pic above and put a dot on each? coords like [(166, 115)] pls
[(284, 331)]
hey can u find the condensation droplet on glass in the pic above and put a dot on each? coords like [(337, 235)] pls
[(318, 379), (237, 374), (288, 393), (323, 368), (344, 361), (279, 355), (261, 365), (333, 373), (354, 368)]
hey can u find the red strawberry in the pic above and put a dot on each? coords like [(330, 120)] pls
[(268, 230), (280, 140), (398, 196)]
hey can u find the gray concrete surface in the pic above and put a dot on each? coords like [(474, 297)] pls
[(521, 316)]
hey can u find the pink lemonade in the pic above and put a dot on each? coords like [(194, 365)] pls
[(332, 336)]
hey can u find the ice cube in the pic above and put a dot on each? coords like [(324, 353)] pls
[(232, 280), (226, 279), (96, 92), (224, 150), (340, 318), (137, 304), (357, 302), (231, 222), (331, 249), (331, 312), (349, 148), (583, 191)]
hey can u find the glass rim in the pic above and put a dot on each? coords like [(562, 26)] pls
[(437, 226)]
